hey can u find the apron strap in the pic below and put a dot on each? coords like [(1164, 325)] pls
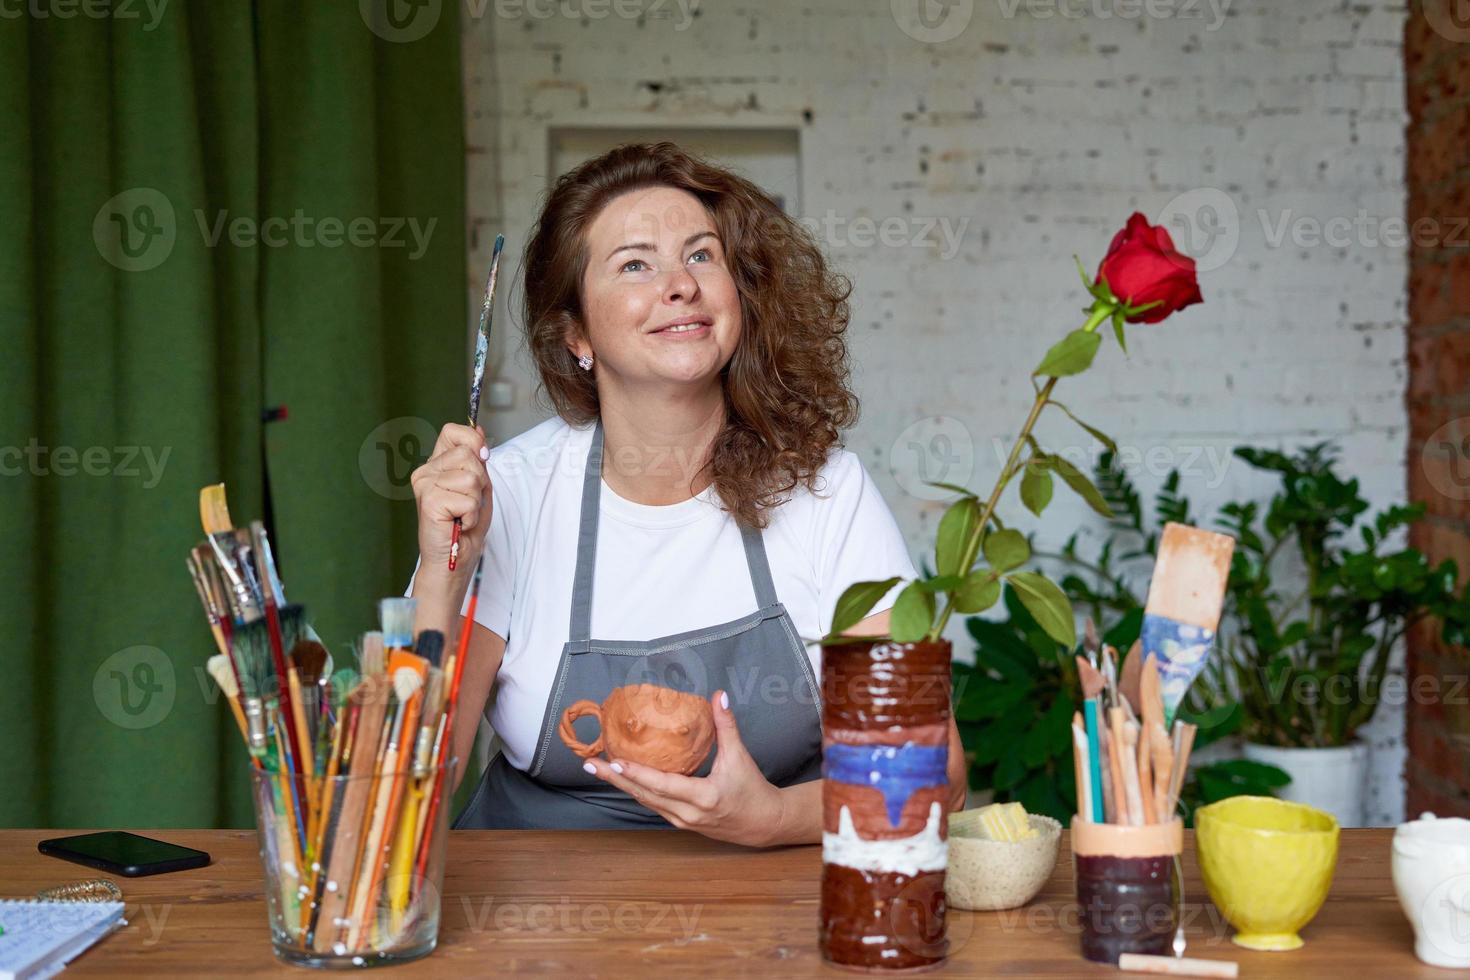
[(760, 568), (581, 623), (581, 627)]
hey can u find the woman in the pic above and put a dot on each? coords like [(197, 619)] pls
[(687, 510)]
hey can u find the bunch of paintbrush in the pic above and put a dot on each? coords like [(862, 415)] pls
[(378, 771), (355, 760), (1129, 767), (1131, 754), (267, 667)]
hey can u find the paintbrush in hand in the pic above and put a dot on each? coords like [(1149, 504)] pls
[(477, 376)]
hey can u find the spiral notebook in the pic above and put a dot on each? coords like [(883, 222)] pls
[(40, 938)]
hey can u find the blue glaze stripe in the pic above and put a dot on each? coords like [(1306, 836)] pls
[(896, 771)]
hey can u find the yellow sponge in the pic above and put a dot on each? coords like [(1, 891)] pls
[(998, 821)]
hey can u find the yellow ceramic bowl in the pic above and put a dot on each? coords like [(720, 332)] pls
[(1267, 864)]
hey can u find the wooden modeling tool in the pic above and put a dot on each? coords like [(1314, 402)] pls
[(1178, 966), (1092, 687), (1080, 769)]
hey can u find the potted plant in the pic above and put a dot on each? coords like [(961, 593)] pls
[(1025, 683), (886, 700), (1308, 661), (1309, 624)]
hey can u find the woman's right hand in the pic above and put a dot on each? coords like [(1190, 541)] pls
[(452, 483)]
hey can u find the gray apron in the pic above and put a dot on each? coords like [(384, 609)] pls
[(757, 659)]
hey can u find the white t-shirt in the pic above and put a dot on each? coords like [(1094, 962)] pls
[(659, 569)]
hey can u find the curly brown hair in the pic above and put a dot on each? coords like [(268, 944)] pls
[(786, 385)]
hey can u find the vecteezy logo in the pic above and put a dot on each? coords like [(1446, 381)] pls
[(135, 230), (391, 452), (932, 21), (1449, 18), (400, 21), (1445, 459), (935, 449), (1205, 225), (134, 688)]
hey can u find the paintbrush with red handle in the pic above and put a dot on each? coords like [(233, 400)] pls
[(453, 670)]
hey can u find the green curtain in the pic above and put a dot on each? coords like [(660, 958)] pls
[(207, 210)]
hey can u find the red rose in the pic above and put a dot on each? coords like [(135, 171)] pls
[(1142, 267)]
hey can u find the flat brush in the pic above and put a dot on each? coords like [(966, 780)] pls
[(370, 657), (1181, 615), (249, 649), (214, 510), (396, 617)]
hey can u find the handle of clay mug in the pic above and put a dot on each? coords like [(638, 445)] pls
[(568, 734)]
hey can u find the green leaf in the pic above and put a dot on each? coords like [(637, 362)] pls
[(1238, 777), (941, 583), (1006, 549), (980, 591), (1072, 354), (992, 636), (1047, 795), (1257, 773), (1081, 484), (953, 488), (1096, 433), (1034, 745), (1009, 771), (1008, 663), (1119, 319), (955, 530), (1036, 487), (991, 699), (1048, 604), (1087, 280), (857, 601), (913, 614), (1121, 634)]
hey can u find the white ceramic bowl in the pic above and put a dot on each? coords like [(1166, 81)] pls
[(984, 874)]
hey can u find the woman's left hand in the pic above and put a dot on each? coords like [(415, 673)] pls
[(735, 802)]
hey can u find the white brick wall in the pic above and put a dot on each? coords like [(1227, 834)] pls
[(1043, 133)]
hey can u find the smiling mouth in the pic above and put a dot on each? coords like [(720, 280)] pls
[(679, 328)]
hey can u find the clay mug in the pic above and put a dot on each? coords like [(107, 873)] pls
[(1431, 872), (652, 725)]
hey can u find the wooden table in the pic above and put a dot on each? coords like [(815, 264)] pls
[(669, 903)]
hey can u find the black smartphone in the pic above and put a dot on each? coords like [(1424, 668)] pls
[(122, 853)]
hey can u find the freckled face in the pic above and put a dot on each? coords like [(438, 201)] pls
[(659, 300)]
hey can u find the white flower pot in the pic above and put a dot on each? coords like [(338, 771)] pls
[(1334, 780)]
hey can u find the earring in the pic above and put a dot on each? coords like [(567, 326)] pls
[(585, 362)]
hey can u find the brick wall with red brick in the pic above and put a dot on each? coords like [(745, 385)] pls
[(1437, 73)]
